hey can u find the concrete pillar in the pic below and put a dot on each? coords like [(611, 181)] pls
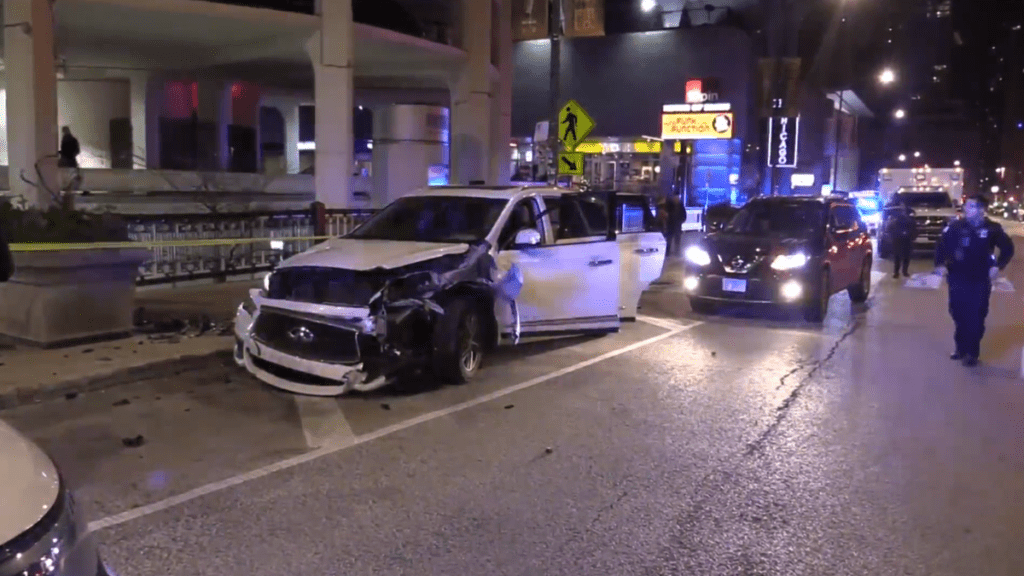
[(147, 95), (501, 168), (290, 112), (31, 99), (156, 93), (214, 114), (471, 154), (407, 141), (330, 50)]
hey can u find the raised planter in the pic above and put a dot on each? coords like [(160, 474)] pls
[(68, 297)]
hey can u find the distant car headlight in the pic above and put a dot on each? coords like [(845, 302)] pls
[(698, 256), (789, 261)]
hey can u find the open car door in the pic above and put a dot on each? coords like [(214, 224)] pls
[(641, 249), (571, 275)]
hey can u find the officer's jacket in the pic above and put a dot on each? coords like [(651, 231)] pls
[(968, 252), (902, 226)]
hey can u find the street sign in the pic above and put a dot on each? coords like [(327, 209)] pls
[(574, 125), (570, 163)]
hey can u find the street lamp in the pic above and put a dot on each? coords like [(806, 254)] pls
[(887, 76), (956, 163), (917, 154), (648, 5), (899, 114), (903, 157)]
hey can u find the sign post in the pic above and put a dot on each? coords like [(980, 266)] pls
[(574, 125)]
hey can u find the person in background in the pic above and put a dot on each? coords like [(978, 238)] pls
[(965, 253), (69, 149), (902, 229), (675, 215)]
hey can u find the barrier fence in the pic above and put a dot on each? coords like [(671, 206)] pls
[(189, 247)]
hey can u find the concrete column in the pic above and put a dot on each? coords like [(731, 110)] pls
[(330, 50), (156, 93), (501, 110), (471, 153), (214, 116), (146, 94), (407, 141), (290, 112), (31, 99)]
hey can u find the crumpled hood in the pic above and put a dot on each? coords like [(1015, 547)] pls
[(357, 254), (28, 483)]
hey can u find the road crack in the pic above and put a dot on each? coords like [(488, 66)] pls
[(783, 410)]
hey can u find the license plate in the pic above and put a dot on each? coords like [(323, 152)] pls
[(734, 285)]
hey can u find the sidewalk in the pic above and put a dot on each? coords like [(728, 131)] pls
[(194, 325)]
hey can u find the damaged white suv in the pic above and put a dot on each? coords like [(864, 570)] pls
[(438, 278)]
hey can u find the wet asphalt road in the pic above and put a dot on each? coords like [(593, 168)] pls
[(732, 445)]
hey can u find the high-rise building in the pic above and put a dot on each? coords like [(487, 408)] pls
[(987, 75)]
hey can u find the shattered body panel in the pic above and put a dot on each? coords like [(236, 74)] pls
[(322, 330)]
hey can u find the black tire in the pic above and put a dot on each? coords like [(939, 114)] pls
[(860, 291), (458, 342), (816, 310), (703, 306)]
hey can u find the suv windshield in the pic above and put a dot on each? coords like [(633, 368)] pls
[(778, 218), (445, 219), (923, 200)]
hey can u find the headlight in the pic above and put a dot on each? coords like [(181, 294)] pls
[(698, 256), (789, 261)]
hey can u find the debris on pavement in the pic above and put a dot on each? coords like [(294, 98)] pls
[(123, 402), (133, 442), (510, 406), (71, 395), (549, 450), (386, 406)]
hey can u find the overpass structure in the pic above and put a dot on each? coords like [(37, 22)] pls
[(158, 89)]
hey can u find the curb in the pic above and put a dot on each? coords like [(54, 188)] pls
[(189, 363)]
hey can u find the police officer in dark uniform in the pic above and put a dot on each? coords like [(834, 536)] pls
[(902, 230), (966, 252)]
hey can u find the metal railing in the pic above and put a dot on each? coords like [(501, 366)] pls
[(216, 246)]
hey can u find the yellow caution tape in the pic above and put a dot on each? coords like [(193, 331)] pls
[(58, 246)]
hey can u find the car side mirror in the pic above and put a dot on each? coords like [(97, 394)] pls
[(526, 237)]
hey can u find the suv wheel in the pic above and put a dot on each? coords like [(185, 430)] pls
[(458, 342), (860, 291), (818, 307)]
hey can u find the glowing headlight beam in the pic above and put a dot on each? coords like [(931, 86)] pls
[(698, 256)]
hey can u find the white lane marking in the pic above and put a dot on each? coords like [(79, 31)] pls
[(213, 487), (323, 422), (666, 323)]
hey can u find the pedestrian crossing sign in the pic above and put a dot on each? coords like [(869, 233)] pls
[(570, 163), (574, 125)]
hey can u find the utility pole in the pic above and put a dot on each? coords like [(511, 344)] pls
[(555, 29), (777, 14), (842, 93)]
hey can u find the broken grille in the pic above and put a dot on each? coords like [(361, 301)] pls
[(307, 339)]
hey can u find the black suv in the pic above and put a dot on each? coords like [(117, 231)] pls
[(791, 250)]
